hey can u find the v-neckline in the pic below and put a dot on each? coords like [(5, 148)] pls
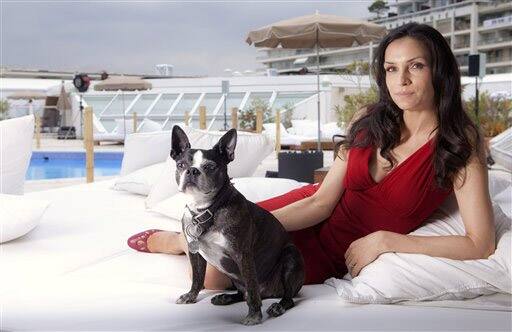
[(375, 183)]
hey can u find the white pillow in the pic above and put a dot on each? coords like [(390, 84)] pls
[(270, 129), (15, 152), (305, 128), (498, 182), (254, 189), (124, 126), (330, 129), (141, 181), (250, 150), (504, 200), (395, 277), (19, 215), (165, 185), (150, 126), (145, 149)]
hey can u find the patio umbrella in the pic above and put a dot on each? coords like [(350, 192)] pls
[(54, 91), (29, 95), (316, 31), (123, 83), (63, 103)]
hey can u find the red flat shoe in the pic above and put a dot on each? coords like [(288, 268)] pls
[(133, 241)]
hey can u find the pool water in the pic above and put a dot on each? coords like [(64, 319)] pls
[(57, 165)]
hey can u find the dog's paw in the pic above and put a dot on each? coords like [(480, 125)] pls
[(187, 298), (275, 309), (222, 299), (252, 319)]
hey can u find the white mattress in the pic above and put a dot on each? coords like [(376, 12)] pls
[(75, 272)]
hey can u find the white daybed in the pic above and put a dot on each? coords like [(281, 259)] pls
[(100, 134), (75, 272), (302, 131)]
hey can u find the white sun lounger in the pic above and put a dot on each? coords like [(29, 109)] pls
[(74, 272)]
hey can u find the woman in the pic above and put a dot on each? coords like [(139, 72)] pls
[(401, 158)]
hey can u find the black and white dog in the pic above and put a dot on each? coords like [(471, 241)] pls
[(239, 238)]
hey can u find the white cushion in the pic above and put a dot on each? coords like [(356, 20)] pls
[(270, 129), (395, 277), (145, 149), (141, 181), (305, 128), (19, 215), (250, 150), (15, 152), (124, 126), (330, 129), (310, 129), (504, 200), (254, 189), (165, 185), (149, 126), (498, 182)]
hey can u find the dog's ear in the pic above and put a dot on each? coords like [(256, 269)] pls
[(179, 142), (226, 145)]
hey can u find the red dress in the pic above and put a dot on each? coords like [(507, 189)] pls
[(399, 203)]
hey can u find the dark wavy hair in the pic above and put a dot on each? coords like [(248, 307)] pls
[(380, 126)]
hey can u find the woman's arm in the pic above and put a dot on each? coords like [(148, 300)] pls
[(476, 212), (312, 210)]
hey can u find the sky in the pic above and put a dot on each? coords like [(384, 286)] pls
[(197, 37)]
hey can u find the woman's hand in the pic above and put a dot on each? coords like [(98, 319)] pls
[(363, 251)]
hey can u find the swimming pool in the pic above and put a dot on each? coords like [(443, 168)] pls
[(56, 165)]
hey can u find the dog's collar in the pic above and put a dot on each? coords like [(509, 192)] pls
[(203, 216)]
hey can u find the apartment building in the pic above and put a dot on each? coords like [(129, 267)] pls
[(470, 26)]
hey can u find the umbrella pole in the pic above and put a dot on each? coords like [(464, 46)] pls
[(319, 146)]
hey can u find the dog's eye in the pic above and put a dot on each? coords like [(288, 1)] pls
[(210, 167), (180, 165)]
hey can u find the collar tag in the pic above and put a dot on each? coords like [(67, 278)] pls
[(203, 216)]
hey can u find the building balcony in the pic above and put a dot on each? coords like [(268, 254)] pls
[(495, 45), (460, 26), (461, 45), (312, 53), (498, 60), (498, 6), (462, 32), (494, 40), (496, 23)]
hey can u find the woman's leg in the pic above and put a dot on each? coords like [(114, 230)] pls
[(175, 243)]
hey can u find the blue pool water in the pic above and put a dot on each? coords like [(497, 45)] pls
[(56, 165)]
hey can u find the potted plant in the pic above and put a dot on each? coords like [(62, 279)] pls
[(247, 116), (494, 113), (4, 109)]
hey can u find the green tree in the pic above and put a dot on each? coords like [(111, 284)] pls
[(378, 7)]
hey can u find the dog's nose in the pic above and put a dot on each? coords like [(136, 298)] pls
[(193, 171)]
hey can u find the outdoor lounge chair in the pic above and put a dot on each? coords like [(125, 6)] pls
[(100, 134)]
